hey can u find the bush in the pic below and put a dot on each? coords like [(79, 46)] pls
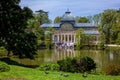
[(64, 64), (68, 65), (86, 64), (55, 67), (77, 65), (112, 69), (2, 50), (4, 67), (46, 67)]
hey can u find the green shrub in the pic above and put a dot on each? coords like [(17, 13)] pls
[(64, 64), (2, 50), (77, 65), (46, 67), (74, 67), (4, 67), (86, 64), (112, 69), (68, 65), (55, 67)]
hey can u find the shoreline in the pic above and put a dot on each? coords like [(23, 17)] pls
[(112, 45)]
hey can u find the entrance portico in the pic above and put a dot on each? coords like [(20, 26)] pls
[(64, 37)]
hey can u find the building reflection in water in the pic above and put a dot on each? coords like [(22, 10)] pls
[(111, 56), (64, 53)]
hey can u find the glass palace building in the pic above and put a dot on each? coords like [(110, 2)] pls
[(65, 31)]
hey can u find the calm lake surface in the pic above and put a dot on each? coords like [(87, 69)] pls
[(102, 58)]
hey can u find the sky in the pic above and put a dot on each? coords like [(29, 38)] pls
[(77, 7)]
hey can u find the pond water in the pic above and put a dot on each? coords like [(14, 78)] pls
[(101, 57)]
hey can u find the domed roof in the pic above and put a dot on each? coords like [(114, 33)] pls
[(68, 16)]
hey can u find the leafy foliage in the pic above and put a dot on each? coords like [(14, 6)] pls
[(83, 39), (77, 65), (45, 67), (57, 19), (86, 64), (110, 25), (79, 38), (48, 37), (34, 24), (2, 49), (4, 67), (42, 17), (66, 65), (113, 69), (88, 39), (13, 34), (83, 20)]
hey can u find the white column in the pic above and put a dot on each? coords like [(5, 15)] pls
[(61, 37), (68, 38), (72, 38), (64, 38), (58, 38)]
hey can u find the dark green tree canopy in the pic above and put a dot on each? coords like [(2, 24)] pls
[(48, 37), (83, 20), (110, 25), (43, 17), (13, 25), (57, 19)]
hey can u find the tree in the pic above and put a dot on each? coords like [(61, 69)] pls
[(57, 19), (90, 18), (79, 38), (96, 19), (88, 38), (115, 27), (48, 37), (43, 17), (110, 25), (40, 35), (83, 20), (77, 19), (118, 39), (34, 26), (13, 25)]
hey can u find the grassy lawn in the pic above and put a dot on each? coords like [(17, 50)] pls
[(35, 74)]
